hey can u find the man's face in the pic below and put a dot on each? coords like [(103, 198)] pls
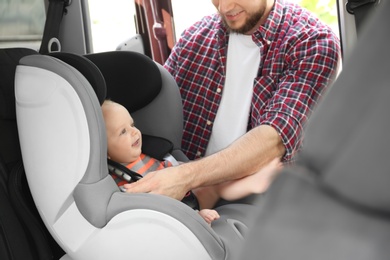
[(241, 16)]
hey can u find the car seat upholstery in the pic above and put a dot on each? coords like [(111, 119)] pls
[(22, 233), (335, 202), (63, 141)]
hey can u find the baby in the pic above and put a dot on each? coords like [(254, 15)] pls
[(124, 143)]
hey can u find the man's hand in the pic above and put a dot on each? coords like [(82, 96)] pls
[(168, 182)]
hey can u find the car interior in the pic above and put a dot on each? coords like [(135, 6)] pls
[(59, 202)]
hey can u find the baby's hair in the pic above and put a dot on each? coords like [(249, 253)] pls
[(108, 101)]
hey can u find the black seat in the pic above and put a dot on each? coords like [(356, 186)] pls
[(335, 202), (14, 240), (22, 233)]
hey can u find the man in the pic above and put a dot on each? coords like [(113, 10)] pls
[(249, 77)]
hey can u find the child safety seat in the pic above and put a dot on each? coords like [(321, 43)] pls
[(146, 86), (63, 141)]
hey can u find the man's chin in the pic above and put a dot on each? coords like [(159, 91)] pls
[(235, 28)]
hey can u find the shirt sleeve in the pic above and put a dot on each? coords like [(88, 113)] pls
[(310, 66)]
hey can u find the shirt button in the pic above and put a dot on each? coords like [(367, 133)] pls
[(268, 42), (219, 90), (209, 122), (198, 153)]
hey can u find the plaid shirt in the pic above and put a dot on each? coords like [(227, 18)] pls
[(299, 56)]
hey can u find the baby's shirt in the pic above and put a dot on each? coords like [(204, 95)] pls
[(143, 165)]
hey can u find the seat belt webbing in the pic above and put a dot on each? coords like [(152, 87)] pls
[(51, 30)]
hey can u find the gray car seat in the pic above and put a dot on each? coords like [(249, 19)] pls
[(142, 88), (335, 202), (64, 149)]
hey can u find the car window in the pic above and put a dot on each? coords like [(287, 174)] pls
[(185, 18), (111, 24), (325, 10), (22, 23)]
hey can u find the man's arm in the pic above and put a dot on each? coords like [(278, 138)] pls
[(245, 156)]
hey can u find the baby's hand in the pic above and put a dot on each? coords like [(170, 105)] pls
[(209, 215)]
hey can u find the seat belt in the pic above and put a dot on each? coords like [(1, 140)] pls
[(130, 176), (123, 172), (360, 9), (55, 12)]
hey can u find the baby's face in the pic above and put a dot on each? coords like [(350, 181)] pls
[(124, 140)]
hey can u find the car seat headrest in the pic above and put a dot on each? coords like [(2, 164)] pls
[(89, 70), (132, 79), (9, 59)]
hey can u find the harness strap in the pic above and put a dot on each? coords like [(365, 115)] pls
[(123, 172), (130, 176)]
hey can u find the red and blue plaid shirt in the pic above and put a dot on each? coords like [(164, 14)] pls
[(299, 56)]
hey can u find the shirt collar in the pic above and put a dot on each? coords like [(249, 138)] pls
[(270, 28)]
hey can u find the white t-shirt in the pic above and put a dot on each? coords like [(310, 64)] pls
[(231, 122)]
